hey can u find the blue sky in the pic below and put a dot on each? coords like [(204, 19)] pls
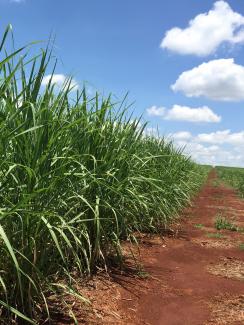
[(114, 46)]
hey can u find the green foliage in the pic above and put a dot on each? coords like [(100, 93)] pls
[(77, 175), (199, 225), (216, 182), (215, 235), (233, 176), (241, 246), (223, 223)]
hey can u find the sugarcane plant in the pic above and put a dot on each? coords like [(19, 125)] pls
[(77, 175)]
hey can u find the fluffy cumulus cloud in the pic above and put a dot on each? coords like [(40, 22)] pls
[(60, 81), (222, 137), (181, 136), (200, 114), (206, 32), (217, 148), (185, 113), (214, 155), (156, 111), (221, 80)]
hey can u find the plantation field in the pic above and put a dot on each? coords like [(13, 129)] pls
[(233, 176), (195, 275), (77, 176)]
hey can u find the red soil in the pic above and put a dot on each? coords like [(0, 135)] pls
[(189, 277)]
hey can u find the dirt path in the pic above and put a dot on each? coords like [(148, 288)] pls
[(191, 276), (196, 278)]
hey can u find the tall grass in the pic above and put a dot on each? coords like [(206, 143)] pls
[(233, 176), (76, 177)]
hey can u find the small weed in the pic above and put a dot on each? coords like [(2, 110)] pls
[(199, 225), (216, 183), (241, 246), (215, 235), (223, 223), (142, 274)]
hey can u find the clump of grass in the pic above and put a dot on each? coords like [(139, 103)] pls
[(216, 182), (199, 225), (241, 246), (141, 273), (215, 235), (233, 176), (77, 175), (224, 223)]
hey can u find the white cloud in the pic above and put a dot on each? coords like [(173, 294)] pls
[(216, 148), (185, 113), (221, 79), (156, 111), (206, 32), (181, 136), (222, 137), (215, 155), (60, 81)]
